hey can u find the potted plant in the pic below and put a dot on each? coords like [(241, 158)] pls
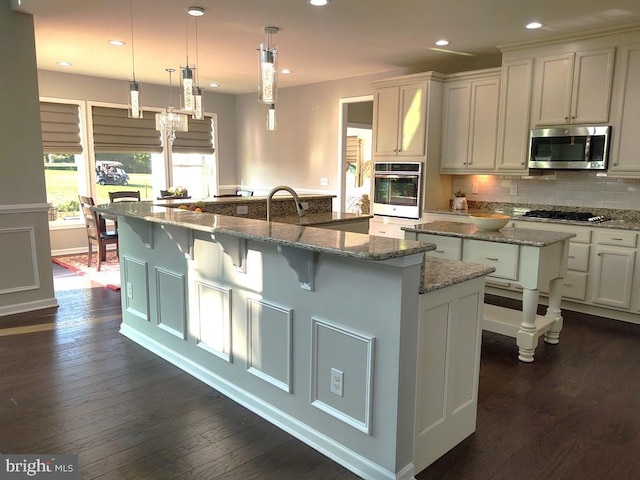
[(459, 200)]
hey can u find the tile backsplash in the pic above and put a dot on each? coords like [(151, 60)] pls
[(561, 188)]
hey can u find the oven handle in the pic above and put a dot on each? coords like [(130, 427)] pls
[(395, 176)]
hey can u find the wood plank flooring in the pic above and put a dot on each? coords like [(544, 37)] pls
[(70, 383)]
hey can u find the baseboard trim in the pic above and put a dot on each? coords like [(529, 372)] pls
[(28, 306)]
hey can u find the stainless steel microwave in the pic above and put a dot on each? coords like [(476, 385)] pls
[(571, 147)]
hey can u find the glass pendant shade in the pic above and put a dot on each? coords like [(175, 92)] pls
[(198, 103), (268, 76), (135, 110), (187, 89), (271, 118)]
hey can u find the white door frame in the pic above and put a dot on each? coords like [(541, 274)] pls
[(342, 146)]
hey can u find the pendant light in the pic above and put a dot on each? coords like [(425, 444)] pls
[(169, 121), (271, 118), (268, 69), (187, 74), (198, 95), (135, 108)]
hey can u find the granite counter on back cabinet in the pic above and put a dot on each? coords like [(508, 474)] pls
[(441, 273), (516, 236)]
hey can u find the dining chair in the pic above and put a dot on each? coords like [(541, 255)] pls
[(124, 196), (96, 231)]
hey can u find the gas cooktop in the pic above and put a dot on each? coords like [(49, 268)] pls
[(561, 215)]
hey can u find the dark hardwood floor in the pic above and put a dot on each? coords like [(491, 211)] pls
[(70, 383)]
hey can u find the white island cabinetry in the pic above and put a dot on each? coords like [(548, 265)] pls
[(264, 312)]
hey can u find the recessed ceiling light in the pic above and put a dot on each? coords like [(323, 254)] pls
[(285, 71), (214, 85), (319, 3), (116, 43), (64, 64), (533, 25), (442, 43), (195, 11)]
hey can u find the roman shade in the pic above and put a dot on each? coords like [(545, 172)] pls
[(60, 123), (199, 138), (114, 131)]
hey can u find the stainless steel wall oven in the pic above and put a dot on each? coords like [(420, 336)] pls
[(397, 189)]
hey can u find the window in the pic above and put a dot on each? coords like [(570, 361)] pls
[(128, 153), (63, 158)]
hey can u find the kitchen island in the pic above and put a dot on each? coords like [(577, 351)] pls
[(354, 344), (533, 259)]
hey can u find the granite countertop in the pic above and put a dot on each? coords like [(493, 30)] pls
[(347, 244), (618, 219), (440, 273), (224, 199), (517, 236)]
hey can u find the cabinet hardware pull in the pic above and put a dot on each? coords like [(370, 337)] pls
[(492, 259), (616, 238), (572, 256), (439, 251), (568, 284)]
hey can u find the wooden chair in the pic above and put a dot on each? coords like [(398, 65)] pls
[(124, 196), (96, 231)]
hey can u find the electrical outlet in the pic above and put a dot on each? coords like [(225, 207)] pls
[(129, 290), (324, 182), (514, 189), (337, 382), (242, 209), (474, 188)]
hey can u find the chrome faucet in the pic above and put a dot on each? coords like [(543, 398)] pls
[(296, 199)]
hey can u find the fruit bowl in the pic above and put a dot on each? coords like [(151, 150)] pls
[(489, 221)]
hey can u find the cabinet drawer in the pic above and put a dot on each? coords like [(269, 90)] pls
[(504, 257), (579, 257), (582, 235), (574, 285), (622, 239), (386, 230), (446, 247)]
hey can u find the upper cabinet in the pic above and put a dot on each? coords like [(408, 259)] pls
[(515, 110), (624, 158), (399, 120), (470, 122), (573, 87)]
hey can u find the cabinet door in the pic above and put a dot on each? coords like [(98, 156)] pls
[(592, 86), (613, 276), (624, 153), (385, 131), (411, 133), (515, 108), (483, 132), (553, 89), (455, 126)]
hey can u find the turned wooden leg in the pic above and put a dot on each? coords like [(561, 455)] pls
[(526, 338), (555, 296)]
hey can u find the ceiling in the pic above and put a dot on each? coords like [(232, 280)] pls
[(345, 39)]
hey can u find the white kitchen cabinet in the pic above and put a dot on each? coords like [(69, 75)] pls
[(573, 87), (614, 268), (515, 111), (399, 120), (470, 122), (449, 248), (626, 114)]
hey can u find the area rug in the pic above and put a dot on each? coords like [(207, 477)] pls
[(108, 276)]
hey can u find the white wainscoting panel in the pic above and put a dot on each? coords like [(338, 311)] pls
[(352, 353), (135, 295), (18, 255), (171, 302), (269, 342), (211, 312)]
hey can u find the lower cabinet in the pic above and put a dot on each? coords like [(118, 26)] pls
[(614, 268)]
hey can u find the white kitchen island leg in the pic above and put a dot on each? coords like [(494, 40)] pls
[(554, 312), (527, 336)]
